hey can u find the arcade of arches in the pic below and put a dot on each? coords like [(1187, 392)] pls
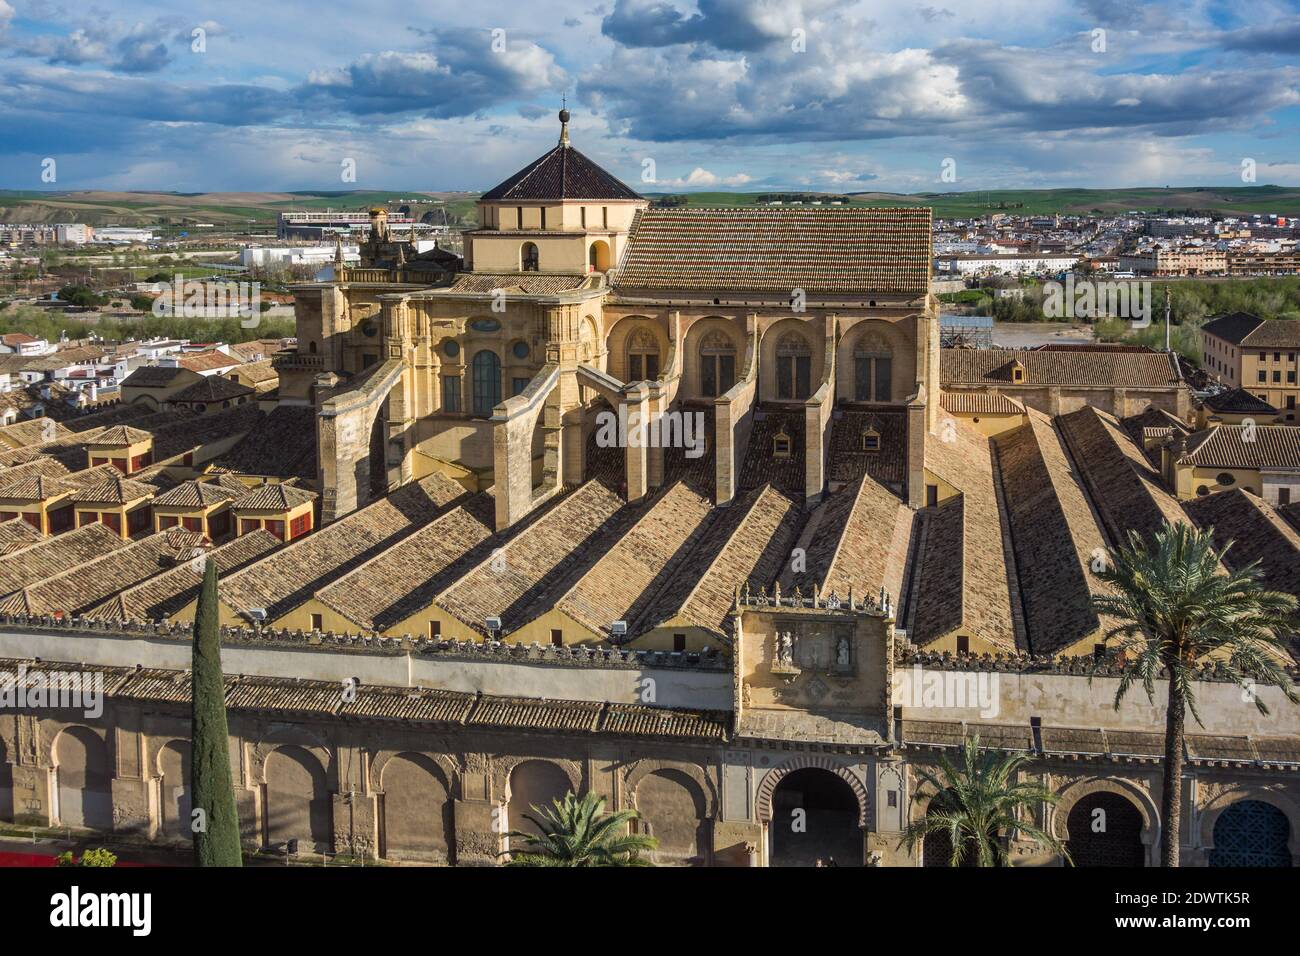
[(322, 794)]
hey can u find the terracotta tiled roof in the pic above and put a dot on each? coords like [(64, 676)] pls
[(22, 481), (961, 579), (33, 431), (52, 556), (282, 445), (287, 577), (16, 534), (981, 403), (857, 538), (1055, 537), (259, 373), (542, 559), (835, 251), (1257, 533), (620, 584), (761, 466), (273, 497), (531, 714), (119, 436), (408, 704), (81, 587), (1250, 331), (207, 361), (1225, 446), (199, 494), (1059, 367), (1240, 402), (1121, 483), (399, 581), (116, 490), (746, 544), (212, 388), (635, 721), (849, 461), (152, 376), (516, 283), (562, 173), (167, 592)]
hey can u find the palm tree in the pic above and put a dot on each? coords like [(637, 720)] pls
[(973, 805), (1176, 606), (576, 831)]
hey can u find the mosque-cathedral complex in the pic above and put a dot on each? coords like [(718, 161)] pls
[(766, 598)]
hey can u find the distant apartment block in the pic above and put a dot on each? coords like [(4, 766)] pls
[(1263, 263), (1175, 262), (1022, 263), (315, 224)]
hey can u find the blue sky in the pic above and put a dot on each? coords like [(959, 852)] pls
[(828, 95)]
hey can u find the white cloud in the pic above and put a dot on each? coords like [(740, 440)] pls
[(701, 178)]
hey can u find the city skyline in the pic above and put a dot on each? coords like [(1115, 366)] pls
[(816, 95)]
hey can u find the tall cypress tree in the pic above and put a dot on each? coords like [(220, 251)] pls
[(216, 830)]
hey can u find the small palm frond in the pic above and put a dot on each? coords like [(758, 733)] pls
[(575, 831), (977, 804)]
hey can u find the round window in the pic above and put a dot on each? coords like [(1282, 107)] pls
[(451, 348), (369, 328), (521, 350), (1202, 491), (1224, 478)]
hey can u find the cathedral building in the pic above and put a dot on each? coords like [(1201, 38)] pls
[(686, 507)]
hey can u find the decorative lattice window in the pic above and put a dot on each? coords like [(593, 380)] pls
[(1251, 833)]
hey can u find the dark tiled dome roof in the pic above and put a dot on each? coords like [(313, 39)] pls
[(563, 173)]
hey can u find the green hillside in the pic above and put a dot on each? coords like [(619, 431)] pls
[(100, 208)]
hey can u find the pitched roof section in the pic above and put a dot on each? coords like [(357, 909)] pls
[(115, 491), (962, 564), (1226, 446), (52, 556), (1250, 331), (81, 587), (857, 539), (622, 582), (273, 497), (562, 173), (152, 376), (199, 494), (1238, 401), (213, 388), (1060, 367), (164, 594), (16, 534), (1055, 537), (835, 251), (1123, 486), (396, 583), (744, 545), (543, 558), (283, 445), (980, 403), (33, 431), (284, 579), (119, 436), (1258, 532)]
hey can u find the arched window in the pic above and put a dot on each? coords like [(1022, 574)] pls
[(598, 257), (528, 258), (717, 364), (873, 371), (642, 356), (487, 383), (793, 367)]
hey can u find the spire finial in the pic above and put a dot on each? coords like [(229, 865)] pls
[(564, 119)]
